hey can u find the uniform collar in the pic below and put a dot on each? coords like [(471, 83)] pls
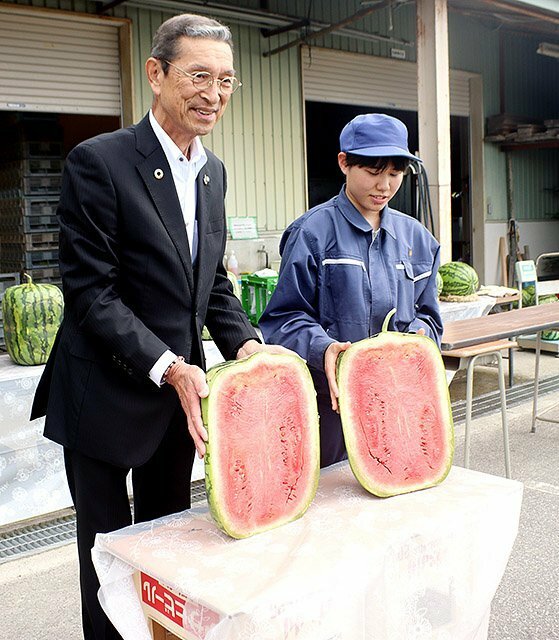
[(352, 215)]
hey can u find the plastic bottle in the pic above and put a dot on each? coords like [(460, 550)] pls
[(232, 264)]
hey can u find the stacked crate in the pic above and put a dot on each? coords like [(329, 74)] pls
[(6, 280), (31, 161)]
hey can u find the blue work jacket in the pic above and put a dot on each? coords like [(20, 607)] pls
[(338, 281)]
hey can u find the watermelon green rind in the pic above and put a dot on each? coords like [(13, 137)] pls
[(550, 335), (529, 295), (32, 314), (359, 466), (459, 279), (235, 283), (439, 280), (216, 470)]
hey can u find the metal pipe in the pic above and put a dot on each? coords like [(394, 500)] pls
[(258, 18), (330, 28)]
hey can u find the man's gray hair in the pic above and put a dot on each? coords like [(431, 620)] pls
[(167, 38)]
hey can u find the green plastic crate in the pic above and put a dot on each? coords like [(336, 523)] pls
[(256, 291)]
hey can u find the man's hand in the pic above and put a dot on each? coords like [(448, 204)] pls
[(252, 346), (330, 357), (190, 384)]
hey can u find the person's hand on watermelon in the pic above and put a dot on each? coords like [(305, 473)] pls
[(330, 358), (190, 384), (252, 346)]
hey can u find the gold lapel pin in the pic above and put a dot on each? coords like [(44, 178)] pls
[(410, 253), (206, 179), (158, 173)]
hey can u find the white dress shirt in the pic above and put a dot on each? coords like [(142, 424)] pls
[(184, 171)]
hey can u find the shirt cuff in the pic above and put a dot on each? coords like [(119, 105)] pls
[(317, 350), (159, 368)]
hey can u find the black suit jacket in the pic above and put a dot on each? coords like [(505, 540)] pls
[(131, 293)]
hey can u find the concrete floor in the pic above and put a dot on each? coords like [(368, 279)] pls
[(41, 592)]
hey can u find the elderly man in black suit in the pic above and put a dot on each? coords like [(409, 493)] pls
[(142, 239)]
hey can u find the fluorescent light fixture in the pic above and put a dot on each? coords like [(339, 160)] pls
[(548, 49)]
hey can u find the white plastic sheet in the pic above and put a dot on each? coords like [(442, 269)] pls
[(32, 477), (451, 311), (413, 567)]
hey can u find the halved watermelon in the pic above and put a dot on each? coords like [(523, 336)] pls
[(262, 459), (395, 411)]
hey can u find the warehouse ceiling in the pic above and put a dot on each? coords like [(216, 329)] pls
[(510, 15)]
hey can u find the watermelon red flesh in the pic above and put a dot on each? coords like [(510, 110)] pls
[(396, 413), (262, 460)]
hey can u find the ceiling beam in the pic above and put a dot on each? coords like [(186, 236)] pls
[(332, 27)]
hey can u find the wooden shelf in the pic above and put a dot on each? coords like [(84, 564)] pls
[(523, 145)]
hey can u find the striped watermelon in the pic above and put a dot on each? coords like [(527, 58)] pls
[(32, 314), (235, 282), (459, 279), (549, 334), (529, 295), (439, 284)]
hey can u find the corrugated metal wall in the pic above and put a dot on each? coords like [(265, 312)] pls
[(531, 90), (261, 136), (535, 185), (398, 24)]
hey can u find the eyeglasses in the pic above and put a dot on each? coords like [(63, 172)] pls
[(204, 80)]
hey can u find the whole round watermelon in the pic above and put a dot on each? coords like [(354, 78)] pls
[(262, 458), (32, 315), (529, 295), (439, 284), (549, 334), (395, 410), (235, 282), (459, 279)]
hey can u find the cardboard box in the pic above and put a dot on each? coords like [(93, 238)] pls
[(184, 618)]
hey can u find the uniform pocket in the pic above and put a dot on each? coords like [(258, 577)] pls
[(345, 296), (411, 280)]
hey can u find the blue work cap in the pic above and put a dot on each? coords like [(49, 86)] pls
[(374, 135)]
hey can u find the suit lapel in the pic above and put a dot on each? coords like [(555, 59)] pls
[(203, 198), (156, 174)]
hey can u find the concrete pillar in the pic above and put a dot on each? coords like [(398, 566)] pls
[(433, 95)]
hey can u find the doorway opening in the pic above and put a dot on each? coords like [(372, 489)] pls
[(324, 122), (31, 162)]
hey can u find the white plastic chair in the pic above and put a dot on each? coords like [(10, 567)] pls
[(544, 287)]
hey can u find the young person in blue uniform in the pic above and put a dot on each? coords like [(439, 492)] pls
[(347, 262)]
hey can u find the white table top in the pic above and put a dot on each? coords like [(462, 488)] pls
[(10, 371), (354, 567)]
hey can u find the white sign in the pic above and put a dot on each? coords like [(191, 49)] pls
[(242, 228)]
